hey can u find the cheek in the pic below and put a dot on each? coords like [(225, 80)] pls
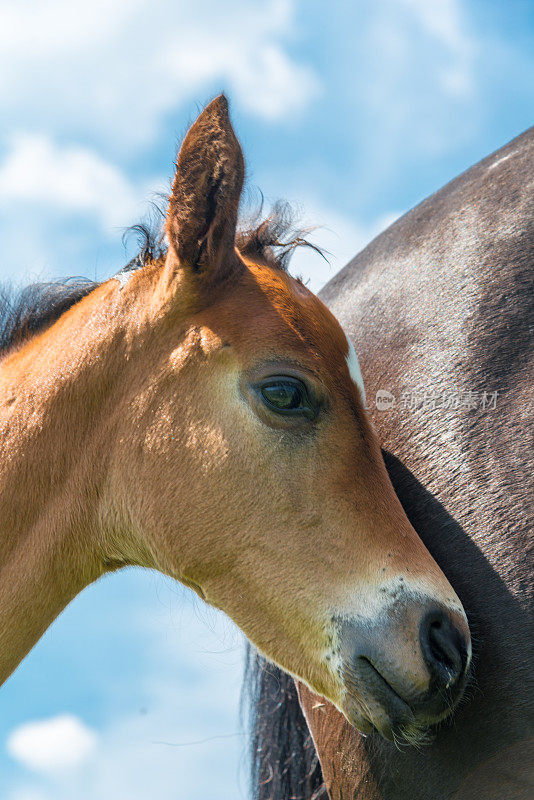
[(162, 429), (207, 444)]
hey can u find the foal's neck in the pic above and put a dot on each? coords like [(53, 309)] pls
[(54, 393)]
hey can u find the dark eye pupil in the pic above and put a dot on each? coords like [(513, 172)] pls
[(282, 395)]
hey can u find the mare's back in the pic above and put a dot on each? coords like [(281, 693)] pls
[(440, 309)]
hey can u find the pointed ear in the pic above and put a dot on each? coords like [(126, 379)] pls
[(203, 208)]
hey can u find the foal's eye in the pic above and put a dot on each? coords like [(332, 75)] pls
[(286, 395), (282, 395)]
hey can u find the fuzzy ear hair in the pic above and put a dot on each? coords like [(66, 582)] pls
[(203, 208)]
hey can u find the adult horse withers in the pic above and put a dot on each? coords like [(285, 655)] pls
[(440, 310), (202, 415)]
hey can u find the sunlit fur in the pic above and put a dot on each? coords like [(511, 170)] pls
[(131, 433)]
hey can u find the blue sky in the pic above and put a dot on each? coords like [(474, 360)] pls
[(354, 111)]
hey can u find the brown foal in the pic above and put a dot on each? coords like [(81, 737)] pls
[(205, 418)]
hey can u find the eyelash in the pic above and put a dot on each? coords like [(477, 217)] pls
[(305, 406)]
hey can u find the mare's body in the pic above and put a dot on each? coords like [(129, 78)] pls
[(443, 301)]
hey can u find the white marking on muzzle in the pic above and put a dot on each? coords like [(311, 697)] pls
[(368, 603), (354, 368), (366, 606)]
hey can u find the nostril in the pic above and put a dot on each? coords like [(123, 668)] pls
[(444, 648)]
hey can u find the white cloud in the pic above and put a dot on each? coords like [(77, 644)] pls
[(421, 96), (443, 21), (271, 85), (53, 745), (27, 793), (115, 70), (72, 179), (181, 713)]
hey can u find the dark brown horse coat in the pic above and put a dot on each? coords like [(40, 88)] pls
[(439, 308)]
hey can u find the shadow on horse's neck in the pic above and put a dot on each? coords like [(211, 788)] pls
[(487, 723), (467, 567)]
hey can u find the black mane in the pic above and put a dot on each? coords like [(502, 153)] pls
[(284, 763), (25, 312), (274, 239), (271, 240)]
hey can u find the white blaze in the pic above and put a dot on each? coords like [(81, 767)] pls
[(354, 369)]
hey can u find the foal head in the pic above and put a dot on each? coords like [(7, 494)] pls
[(245, 466)]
